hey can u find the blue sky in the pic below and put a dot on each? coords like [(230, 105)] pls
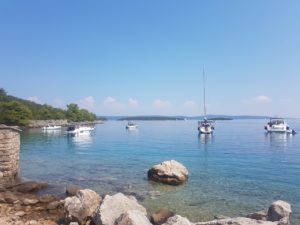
[(146, 57)]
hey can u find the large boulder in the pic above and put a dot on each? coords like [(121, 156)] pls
[(82, 206), (279, 210), (114, 206), (132, 217), (178, 220), (161, 216), (169, 172)]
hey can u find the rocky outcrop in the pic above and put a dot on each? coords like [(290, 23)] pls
[(114, 206), (161, 216), (169, 172), (280, 210), (82, 206), (133, 217), (178, 220)]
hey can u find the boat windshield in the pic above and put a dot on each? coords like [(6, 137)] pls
[(277, 121)]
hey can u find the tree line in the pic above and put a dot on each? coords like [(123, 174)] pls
[(17, 111)]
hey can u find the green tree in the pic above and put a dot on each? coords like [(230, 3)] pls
[(14, 113)]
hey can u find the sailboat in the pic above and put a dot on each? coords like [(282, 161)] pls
[(205, 126)]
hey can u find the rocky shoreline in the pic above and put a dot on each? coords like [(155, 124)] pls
[(20, 204)]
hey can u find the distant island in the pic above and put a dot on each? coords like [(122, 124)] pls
[(151, 118)]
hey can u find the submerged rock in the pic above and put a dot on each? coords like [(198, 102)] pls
[(260, 215), (169, 172), (72, 190), (29, 186), (83, 205), (132, 217), (238, 221), (114, 206), (161, 216), (279, 210)]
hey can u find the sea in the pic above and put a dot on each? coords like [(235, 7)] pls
[(236, 171)]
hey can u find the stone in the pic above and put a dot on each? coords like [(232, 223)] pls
[(237, 221), (178, 220), (169, 172), (54, 205), (72, 190), (28, 201), (132, 217), (114, 206), (161, 216), (29, 186), (73, 223), (20, 213), (47, 198), (260, 215), (83, 205), (279, 210), (31, 222)]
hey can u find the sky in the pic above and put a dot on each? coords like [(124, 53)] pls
[(146, 57)]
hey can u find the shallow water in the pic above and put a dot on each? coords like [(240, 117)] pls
[(236, 171)]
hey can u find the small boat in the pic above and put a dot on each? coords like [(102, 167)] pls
[(278, 125), (132, 126), (51, 127), (79, 130), (205, 126)]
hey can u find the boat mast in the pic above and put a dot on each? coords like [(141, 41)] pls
[(204, 93)]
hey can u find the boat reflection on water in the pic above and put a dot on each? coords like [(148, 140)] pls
[(84, 139), (52, 132), (278, 139), (205, 138)]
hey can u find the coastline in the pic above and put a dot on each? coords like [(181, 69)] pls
[(63, 123)]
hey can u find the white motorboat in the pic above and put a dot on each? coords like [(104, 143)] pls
[(278, 125), (132, 126), (79, 130), (51, 127), (205, 126)]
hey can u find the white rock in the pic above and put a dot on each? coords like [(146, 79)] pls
[(132, 217), (279, 210), (178, 220), (113, 206), (83, 205), (169, 172)]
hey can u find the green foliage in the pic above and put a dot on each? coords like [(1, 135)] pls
[(14, 113), (17, 111), (74, 114)]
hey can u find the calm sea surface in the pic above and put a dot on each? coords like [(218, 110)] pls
[(236, 171)]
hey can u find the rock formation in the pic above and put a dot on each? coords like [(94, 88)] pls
[(169, 172)]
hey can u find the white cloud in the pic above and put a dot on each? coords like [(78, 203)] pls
[(190, 104), (87, 103), (258, 99), (34, 99), (262, 98), (160, 104), (112, 103), (133, 103)]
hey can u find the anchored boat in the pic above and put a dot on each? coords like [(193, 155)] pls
[(79, 130), (132, 126), (205, 126), (278, 125)]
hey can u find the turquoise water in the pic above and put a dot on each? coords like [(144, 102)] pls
[(236, 171)]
